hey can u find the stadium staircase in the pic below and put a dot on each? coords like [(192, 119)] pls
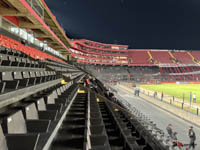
[(196, 56), (71, 134), (151, 59), (193, 59), (174, 60), (183, 58)]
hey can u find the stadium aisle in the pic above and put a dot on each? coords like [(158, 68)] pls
[(161, 117)]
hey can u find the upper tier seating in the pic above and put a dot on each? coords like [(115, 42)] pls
[(161, 56), (9, 43), (139, 57), (196, 55), (183, 57)]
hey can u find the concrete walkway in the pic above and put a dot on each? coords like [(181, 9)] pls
[(159, 116)]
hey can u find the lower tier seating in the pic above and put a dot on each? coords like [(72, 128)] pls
[(28, 124)]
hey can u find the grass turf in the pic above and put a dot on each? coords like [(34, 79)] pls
[(176, 90)]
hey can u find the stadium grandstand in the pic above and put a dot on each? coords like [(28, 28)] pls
[(177, 65), (56, 93)]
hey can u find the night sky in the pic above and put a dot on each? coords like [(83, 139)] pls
[(141, 24)]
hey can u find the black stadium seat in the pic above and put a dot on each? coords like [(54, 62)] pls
[(5, 60), (22, 141), (25, 81), (32, 79), (13, 61), (15, 79), (6, 77)]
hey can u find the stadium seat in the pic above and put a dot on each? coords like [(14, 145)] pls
[(7, 81), (25, 81)]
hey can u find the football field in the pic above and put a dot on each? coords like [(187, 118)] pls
[(177, 90)]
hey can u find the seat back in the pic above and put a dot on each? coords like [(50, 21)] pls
[(32, 74), (50, 99), (17, 75), (6, 76), (98, 140), (41, 104), (26, 75), (31, 112), (14, 123), (58, 91)]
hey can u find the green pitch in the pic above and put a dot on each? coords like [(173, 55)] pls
[(176, 90)]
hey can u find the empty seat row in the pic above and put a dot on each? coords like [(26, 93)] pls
[(59, 66), (7, 60), (10, 81), (12, 52)]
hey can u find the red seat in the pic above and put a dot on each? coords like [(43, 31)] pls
[(32, 52), (139, 57)]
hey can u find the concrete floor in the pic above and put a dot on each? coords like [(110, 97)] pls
[(161, 117)]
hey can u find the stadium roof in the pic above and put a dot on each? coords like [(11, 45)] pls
[(40, 20)]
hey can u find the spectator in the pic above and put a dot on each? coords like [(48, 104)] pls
[(169, 130), (155, 94), (23, 42), (194, 98), (135, 92), (162, 95), (192, 137), (190, 97), (138, 92), (111, 94), (174, 140), (87, 82)]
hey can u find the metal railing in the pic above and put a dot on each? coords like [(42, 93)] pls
[(149, 125), (182, 103), (37, 7)]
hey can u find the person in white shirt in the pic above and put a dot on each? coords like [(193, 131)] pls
[(194, 97)]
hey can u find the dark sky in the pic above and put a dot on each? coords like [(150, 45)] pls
[(151, 24)]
